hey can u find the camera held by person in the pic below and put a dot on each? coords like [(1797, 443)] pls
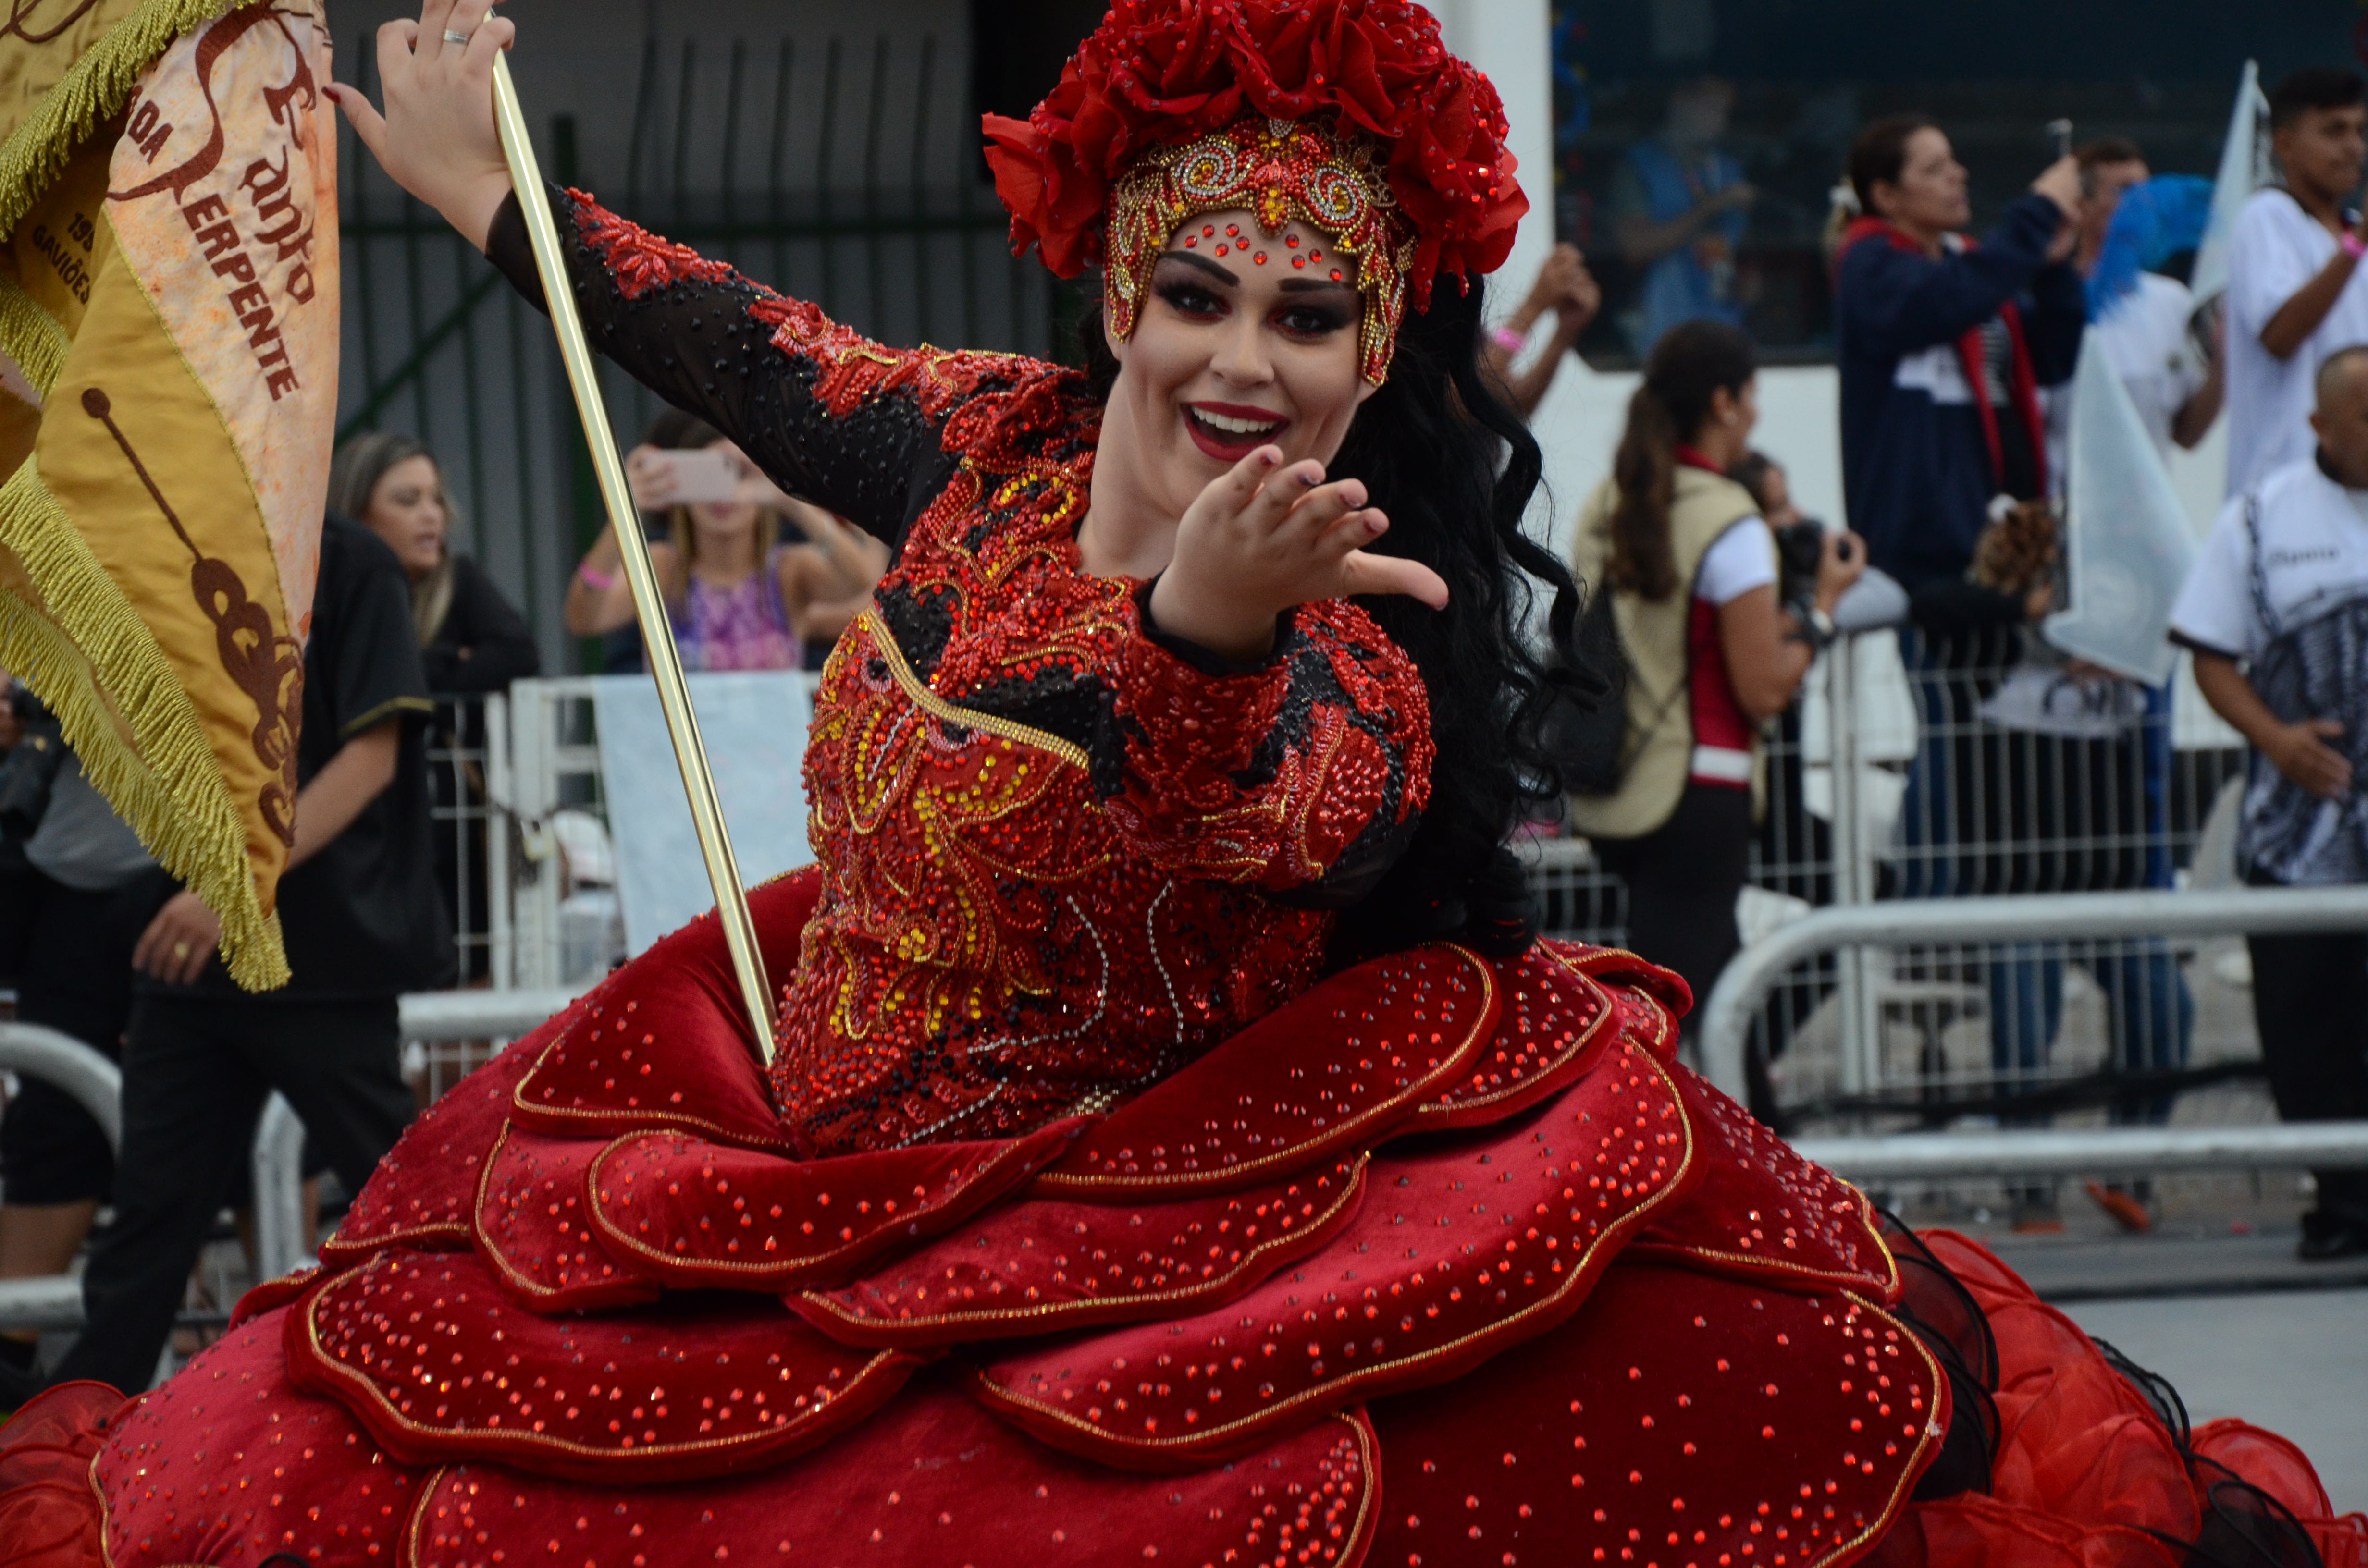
[(1800, 559)]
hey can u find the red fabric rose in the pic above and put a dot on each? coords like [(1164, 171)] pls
[(1282, 59), (1154, 72), (1159, 71), (1454, 178), (1378, 58)]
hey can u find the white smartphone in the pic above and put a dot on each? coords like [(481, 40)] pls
[(703, 476)]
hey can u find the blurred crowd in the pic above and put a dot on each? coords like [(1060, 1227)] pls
[(2038, 769)]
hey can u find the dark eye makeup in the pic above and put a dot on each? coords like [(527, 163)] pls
[(1314, 318), (1187, 294), (1191, 287)]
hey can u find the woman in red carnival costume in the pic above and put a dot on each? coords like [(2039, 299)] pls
[(1180, 1147)]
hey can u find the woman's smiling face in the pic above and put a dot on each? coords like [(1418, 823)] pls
[(1247, 340)]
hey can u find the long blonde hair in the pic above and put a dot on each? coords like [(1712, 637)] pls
[(354, 474), (683, 534)]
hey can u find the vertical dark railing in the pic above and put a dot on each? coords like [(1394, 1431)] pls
[(728, 173), (871, 179), (531, 575), (965, 200), (917, 186), (645, 111), (686, 95), (777, 191), (473, 411), (825, 145), (357, 257)]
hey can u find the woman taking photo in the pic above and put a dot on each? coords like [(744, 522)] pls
[(1692, 568), (1100, 1206), (740, 599)]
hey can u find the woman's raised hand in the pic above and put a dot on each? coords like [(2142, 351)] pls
[(436, 139), (1264, 537)]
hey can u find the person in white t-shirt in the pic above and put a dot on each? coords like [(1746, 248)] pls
[(2276, 613), (2296, 291)]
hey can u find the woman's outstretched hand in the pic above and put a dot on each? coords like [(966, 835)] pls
[(436, 139), (1264, 537)]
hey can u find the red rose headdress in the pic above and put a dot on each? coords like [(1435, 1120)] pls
[(1348, 114)]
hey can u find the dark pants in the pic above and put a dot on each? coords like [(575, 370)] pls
[(1684, 879), (196, 1073), (2310, 1002), (69, 953)]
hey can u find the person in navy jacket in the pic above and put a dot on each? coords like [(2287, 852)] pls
[(1925, 317), (1944, 344)]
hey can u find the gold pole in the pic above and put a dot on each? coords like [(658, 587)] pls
[(649, 601)]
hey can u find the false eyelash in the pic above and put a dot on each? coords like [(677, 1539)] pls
[(1188, 296), (1326, 319)]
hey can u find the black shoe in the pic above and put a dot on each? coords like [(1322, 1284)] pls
[(2327, 1239)]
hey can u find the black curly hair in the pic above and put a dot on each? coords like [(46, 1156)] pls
[(1455, 469)]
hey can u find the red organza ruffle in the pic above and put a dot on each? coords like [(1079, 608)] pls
[(2087, 1474), (50, 1517)]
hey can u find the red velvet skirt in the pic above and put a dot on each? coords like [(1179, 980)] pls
[(1449, 1261)]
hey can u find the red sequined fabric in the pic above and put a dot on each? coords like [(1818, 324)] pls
[(1083, 1220)]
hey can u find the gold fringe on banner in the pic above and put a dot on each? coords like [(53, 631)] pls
[(31, 337)]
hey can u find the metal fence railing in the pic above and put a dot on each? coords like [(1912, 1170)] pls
[(1918, 770), (282, 1246)]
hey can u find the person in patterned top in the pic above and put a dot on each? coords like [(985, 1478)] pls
[(1180, 1146)]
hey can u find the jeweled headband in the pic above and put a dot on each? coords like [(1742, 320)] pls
[(1348, 114), (1278, 170)]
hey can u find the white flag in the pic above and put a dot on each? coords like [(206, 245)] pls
[(2244, 167), (2129, 549)]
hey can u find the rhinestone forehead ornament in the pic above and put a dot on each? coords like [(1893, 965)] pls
[(1278, 170)]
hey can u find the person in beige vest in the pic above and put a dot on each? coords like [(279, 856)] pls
[(1712, 654)]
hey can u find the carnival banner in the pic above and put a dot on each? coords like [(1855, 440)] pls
[(168, 377)]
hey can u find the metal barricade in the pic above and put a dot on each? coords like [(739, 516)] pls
[(52, 1302), (280, 1245), (471, 851), (1914, 773), (1729, 1012)]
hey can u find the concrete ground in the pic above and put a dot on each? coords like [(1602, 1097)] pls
[(2296, 1361)]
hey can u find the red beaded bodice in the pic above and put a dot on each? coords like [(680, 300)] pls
[(1061, 856)]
